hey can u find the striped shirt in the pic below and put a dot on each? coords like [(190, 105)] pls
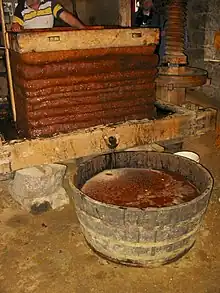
[(37, 19)]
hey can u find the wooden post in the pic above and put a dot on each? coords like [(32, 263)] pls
[(125, 13), (7, 56)]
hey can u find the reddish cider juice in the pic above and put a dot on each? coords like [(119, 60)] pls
[(142, 188)]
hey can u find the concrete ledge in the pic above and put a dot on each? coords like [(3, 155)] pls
[(184, 122)]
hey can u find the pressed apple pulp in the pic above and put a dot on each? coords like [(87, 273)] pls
[(142, 188)]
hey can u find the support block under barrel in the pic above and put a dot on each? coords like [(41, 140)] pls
[(68, 79)]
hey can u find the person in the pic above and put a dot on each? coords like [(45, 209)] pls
[(40, 14), (147, 16)]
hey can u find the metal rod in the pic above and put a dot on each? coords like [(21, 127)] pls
[(7, 56)]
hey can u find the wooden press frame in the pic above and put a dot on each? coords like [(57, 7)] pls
[(125, 12), (8, 63)]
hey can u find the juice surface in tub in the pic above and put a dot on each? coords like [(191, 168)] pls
[(142, 188)]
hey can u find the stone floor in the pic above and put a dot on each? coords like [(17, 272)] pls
[(47, 253)]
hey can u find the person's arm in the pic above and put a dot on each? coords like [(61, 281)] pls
[(71, 20), (60, 12), (18, 21)]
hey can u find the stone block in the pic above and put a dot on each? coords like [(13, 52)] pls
[(196, 21), (213, 8), (209, 37), (54, 201), (198, 38), (209, 53), (203, 6), (39, 186), (213, 69), (195, 56), (213, 21), (5, 164)]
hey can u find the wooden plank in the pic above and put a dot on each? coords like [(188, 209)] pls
[(125, 13), (57, 40), (92, 141)]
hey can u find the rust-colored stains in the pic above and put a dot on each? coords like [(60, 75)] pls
[(67, 90), (58, 56), (217, 41)]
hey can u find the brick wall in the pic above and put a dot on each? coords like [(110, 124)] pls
[(203, 21)]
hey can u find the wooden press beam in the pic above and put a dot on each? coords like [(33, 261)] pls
[(57, 40)]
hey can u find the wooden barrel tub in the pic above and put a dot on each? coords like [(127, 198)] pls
[(142, 237)]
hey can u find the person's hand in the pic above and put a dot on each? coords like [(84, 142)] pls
[(82, 27), (16, 27)]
